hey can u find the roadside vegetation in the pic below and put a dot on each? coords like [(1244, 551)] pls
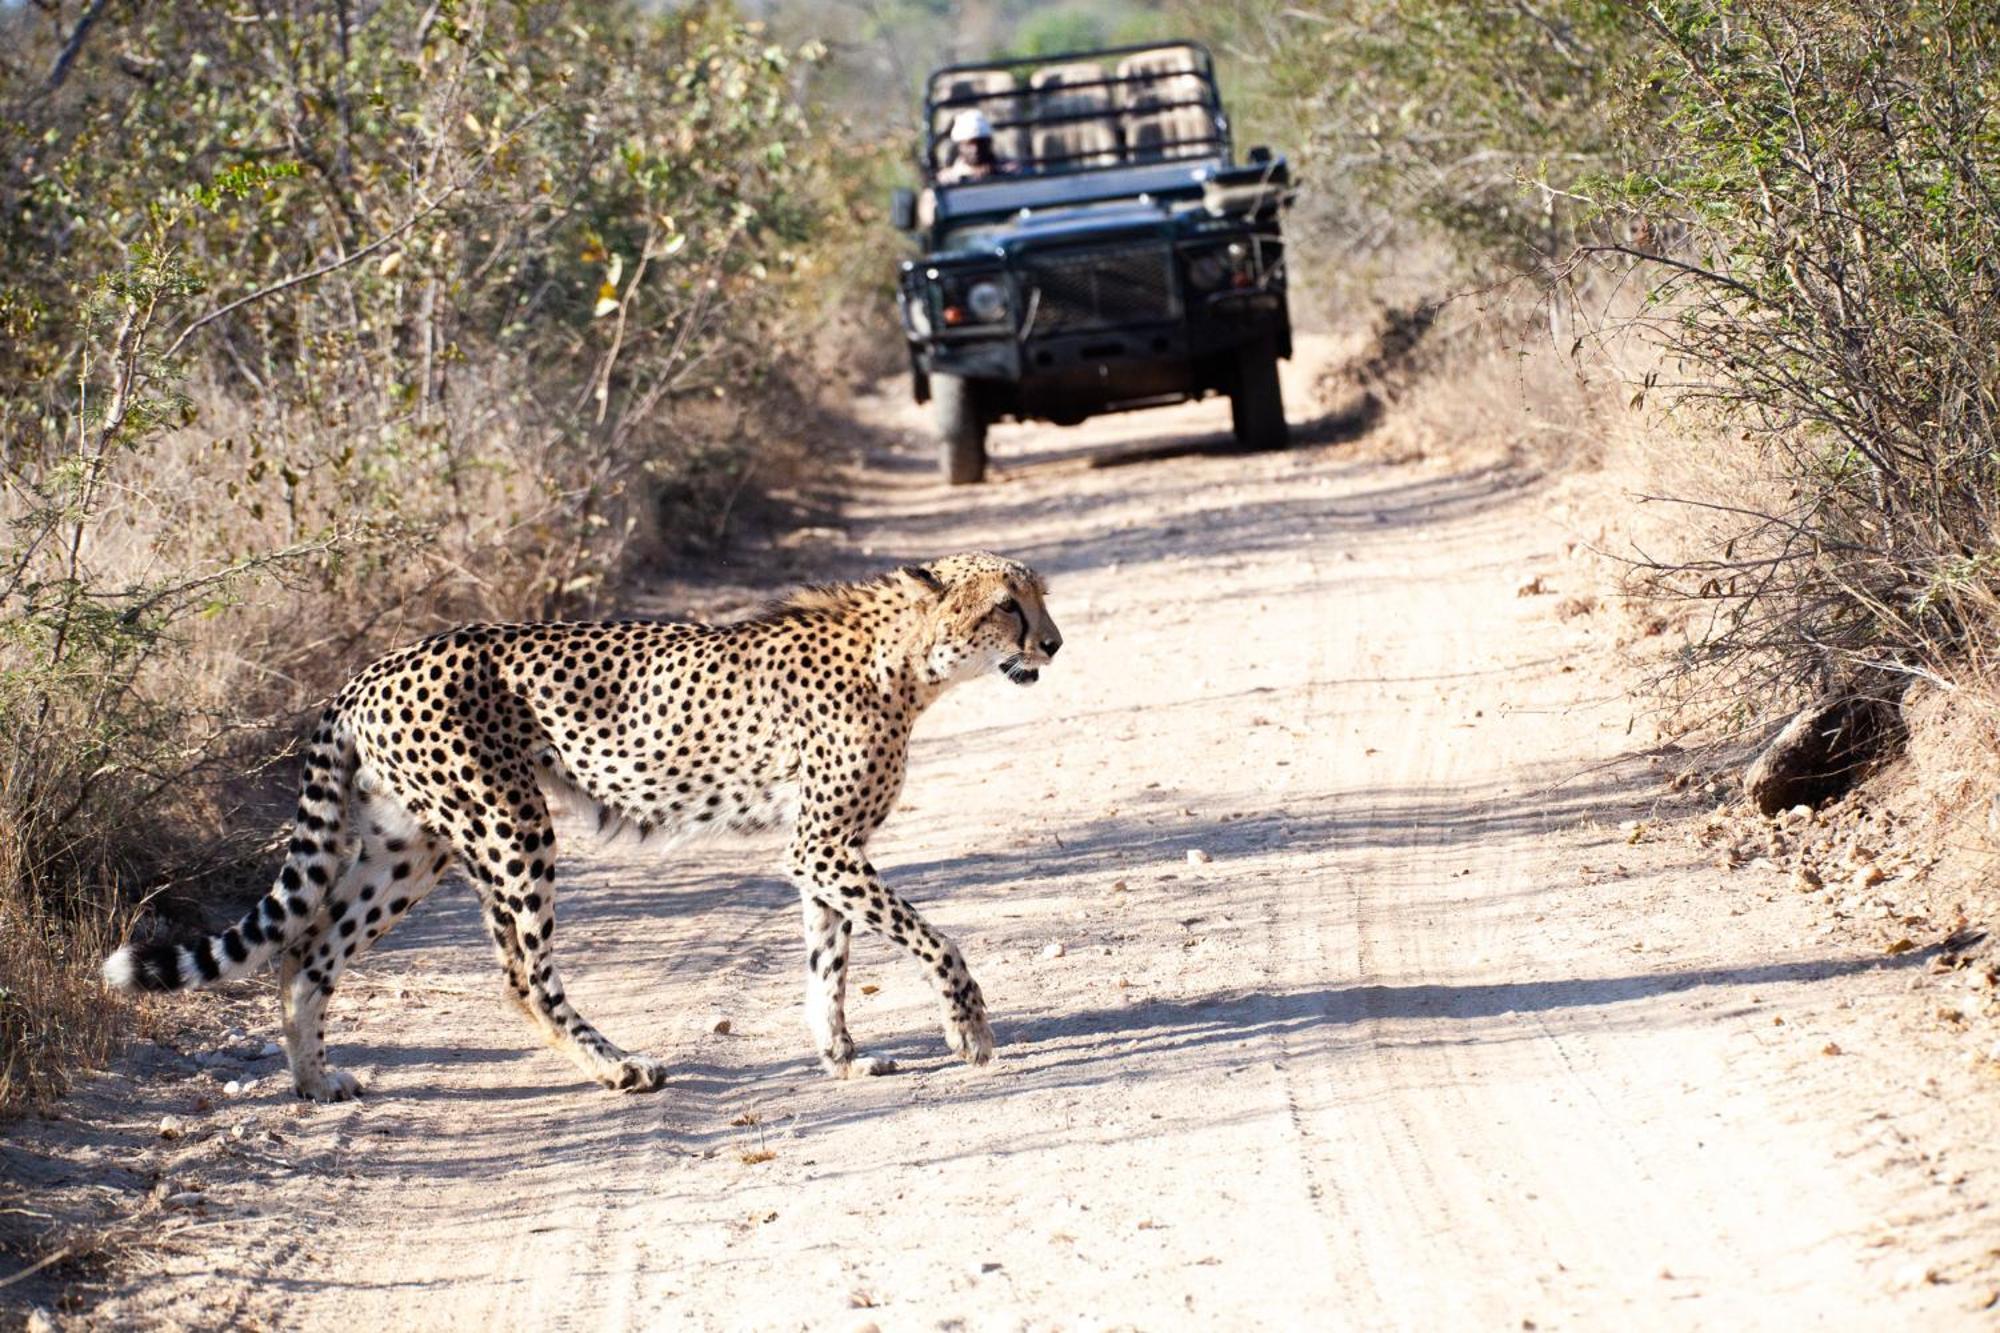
[(1776, 220)]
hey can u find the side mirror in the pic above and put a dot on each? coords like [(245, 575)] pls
[(1258, 155), (903, 210)]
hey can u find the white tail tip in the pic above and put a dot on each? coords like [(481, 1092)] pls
[(118, 970)]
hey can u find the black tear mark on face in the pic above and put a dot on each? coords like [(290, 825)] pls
[(1009, 606)]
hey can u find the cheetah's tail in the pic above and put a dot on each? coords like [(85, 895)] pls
[(314, 858)]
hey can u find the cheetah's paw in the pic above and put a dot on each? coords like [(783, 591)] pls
[(635, 1073), (838, 1059), (970, 1037), (328, 1085)]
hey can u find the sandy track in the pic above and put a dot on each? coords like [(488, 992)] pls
[(1427, 1043)]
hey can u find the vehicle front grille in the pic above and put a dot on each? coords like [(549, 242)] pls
[(1101, 289)]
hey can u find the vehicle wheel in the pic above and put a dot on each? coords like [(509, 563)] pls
[(1257, 403), (961, 428)]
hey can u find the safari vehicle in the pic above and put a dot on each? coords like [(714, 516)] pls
[(1108, 254)]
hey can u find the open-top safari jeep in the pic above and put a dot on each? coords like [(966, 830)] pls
[(1100, 251)]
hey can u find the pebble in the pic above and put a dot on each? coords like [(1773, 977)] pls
[(1915, 1275), (719, 1025), (233, 1088), (1197, 857), (186, 1199), (40, 1321), (1055, 950), (171, 1127), (269, 1049)]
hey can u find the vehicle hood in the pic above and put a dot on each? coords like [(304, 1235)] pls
[(1068, 225), (1031, 230)]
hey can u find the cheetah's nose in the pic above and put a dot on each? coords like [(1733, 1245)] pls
[(1049, 646)]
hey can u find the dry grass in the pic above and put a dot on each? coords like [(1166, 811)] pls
[(55, 1017), (1482, 380)]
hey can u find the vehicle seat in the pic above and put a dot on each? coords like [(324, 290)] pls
[(1091, 142), (1167, 115), (997, 91)]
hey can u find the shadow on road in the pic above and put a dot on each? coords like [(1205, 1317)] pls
[(1232, 1018), (1219, 525), (1343, 425), (887, 450)]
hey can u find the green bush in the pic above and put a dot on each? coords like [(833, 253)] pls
[(1429, 123), (1831, 175), (1809, 192)]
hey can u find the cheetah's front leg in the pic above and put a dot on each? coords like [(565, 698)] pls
[(840, 877), (827, 936)]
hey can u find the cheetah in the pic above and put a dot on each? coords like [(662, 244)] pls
[(451, 751)]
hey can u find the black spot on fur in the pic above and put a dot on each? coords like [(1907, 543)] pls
[(157, 967)]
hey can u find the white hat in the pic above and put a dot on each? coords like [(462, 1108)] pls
[(969, 125)]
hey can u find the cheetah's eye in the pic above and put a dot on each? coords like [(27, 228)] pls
[(1010, 607)]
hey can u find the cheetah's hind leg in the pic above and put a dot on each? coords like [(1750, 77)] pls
[(512, 865), (397, 864)]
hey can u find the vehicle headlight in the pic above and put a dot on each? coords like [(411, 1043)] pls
[(987, 301), (1226, 266)]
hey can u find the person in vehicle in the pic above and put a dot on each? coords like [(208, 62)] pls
[(973, 158)]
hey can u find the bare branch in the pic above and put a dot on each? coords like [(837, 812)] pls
[(73, 47)]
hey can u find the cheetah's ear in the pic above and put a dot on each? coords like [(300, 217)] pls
[(928, 581)]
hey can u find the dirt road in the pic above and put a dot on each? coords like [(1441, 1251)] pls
[(1422, 1039)]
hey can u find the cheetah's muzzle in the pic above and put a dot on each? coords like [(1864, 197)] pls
[(1020, 675)]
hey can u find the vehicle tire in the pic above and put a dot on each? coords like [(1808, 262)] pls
[(1257, 403), (961, 428)]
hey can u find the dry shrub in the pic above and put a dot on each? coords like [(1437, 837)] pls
[(54, 1016), (1479, 380), (1833, 171)]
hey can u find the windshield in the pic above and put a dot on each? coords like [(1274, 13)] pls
[(1075, 113)]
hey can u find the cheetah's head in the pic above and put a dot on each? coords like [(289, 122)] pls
[(988, 616)]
